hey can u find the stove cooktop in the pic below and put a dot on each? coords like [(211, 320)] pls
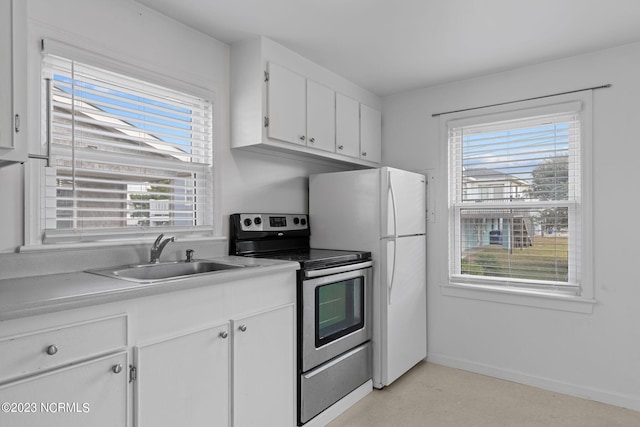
[(284, 237), (311, 259)]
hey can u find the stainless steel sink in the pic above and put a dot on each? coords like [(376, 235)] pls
[(149, 273)]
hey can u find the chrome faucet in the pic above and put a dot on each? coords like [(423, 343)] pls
[(158, 246)]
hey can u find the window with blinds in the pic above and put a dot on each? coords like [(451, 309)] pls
[(515, 189), (126, 155)]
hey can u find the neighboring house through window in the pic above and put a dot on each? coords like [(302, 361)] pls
[(127, 157), (517, 196)]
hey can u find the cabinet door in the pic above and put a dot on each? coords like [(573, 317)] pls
[(370, 134), (264, 367), (91, 394), (321, 117), (184, 381), (13, 81), (286, 105), (347, 126)]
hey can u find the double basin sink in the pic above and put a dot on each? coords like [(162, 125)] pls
[(150, 273)]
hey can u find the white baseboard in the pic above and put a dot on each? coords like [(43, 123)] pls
[(604, 396)]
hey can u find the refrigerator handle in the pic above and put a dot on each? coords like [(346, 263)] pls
[(393, 269), (394, 206), (395, 237)]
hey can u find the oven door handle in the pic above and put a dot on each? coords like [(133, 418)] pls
[(310, 274)]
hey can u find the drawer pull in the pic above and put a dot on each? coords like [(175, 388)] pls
[(52, 349), (116, 368)]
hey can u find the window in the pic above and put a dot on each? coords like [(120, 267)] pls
[(127, 157), (516, 198)]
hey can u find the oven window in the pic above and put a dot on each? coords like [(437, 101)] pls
[(339, 309)]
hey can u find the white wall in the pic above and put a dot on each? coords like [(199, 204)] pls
[(128, 32), (595, 355)]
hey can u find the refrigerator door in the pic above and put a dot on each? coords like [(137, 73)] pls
[(403, 313), (403, 203)]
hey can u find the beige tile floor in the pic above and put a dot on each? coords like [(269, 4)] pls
[(432, 395)]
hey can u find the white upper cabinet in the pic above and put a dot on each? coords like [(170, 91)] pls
[(370, 134), (347, 126), (13, 142), (299, 111), (321, 117), (286, 101), (298, 107)]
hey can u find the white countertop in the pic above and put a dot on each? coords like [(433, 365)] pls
[(27, 296)]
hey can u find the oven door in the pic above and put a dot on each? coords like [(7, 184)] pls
[(336, 312)]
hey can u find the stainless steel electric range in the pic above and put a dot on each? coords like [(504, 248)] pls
[(334, 302)]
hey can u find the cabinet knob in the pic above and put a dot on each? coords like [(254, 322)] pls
[(302, 137), (364, 153), (340, 147), (116, 368), (52, 349), (223, 335), (312, 140), (243, 328)]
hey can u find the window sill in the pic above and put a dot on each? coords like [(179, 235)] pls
[(524, 297), (106, 244)]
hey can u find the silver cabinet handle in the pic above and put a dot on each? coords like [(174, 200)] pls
[(312, 140), (364, 153), (116, 368), (52, 349), (223, 335), (243, 328), (340, 147), (302, 137)]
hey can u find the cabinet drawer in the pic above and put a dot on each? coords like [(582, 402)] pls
[(28, 353)]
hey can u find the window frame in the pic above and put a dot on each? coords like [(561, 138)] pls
[(579, 299), (34, 228)]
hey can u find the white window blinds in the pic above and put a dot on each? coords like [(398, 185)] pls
[(127, 156), (515, 199)]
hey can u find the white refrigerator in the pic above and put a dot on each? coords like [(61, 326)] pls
[(382, 211)]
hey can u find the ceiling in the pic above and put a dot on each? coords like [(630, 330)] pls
[(391, 46)]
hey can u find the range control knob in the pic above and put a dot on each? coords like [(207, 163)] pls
[(247, 222), (257, 220), (303, 221), (296, 220)]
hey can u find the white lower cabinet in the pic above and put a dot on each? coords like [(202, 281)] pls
[(220, 377), (184, 380), (89, 394), (72, 374), (263, 368), (220, 355)]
